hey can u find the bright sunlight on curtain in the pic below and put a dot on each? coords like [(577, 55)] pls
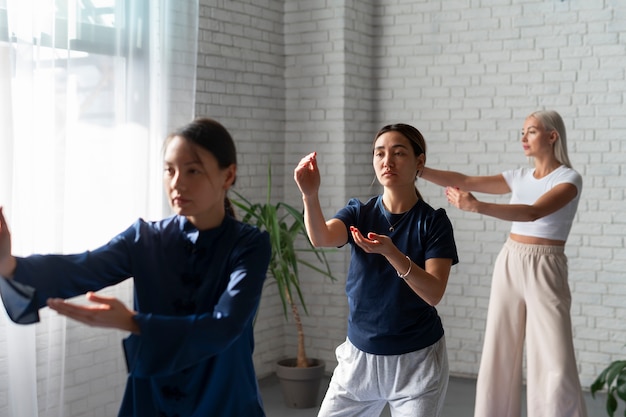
[(88, 91)]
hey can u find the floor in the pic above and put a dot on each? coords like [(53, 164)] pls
[(459, 400)]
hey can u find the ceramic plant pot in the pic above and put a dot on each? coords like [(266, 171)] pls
[(300, 386)]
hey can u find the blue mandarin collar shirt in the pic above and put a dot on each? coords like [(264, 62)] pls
[(196, 294)]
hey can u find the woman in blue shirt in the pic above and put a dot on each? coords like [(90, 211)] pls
[(402, 253), (198, 277)]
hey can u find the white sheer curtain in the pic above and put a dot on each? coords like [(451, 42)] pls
[(88, 91)]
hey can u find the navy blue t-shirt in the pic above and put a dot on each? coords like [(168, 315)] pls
[(386, 316)]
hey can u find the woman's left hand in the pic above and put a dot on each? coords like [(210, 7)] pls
[(461, 199), (373, 243), (108, 312), (7, 260)]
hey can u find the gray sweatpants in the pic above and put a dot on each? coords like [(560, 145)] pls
[(413, 384)]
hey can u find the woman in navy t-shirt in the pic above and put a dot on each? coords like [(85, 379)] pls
[(402, 253)]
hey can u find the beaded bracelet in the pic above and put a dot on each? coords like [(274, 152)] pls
[(406, 274)]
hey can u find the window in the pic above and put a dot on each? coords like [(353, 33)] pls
[(86, 90)]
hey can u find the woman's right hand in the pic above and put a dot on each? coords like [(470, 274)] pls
[(7, 261), (307, 175), (108, 312), (461, 199)]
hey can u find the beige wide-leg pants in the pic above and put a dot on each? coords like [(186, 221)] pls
[(530, 297)]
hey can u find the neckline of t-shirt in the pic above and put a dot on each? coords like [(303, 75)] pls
[(382, 206), (532, 173)]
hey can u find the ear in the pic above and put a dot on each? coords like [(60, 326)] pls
[(421, 162), (554, 136), (231, 175)]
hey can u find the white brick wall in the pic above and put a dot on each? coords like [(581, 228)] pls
[(241, 83), (289, 77), (466, 74)]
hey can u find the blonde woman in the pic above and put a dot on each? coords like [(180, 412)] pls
[(530, 297)]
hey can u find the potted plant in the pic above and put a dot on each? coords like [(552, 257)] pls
[(614, 377), (300, 376)]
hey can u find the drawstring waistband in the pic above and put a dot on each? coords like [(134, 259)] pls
[(534, 249)]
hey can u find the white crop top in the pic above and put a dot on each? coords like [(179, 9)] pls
[(526, 189)]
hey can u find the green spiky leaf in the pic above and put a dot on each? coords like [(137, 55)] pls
[(286, 228)]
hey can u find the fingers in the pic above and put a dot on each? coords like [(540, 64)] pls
[(108, 312), (98, 315), (460, 199), (452, 190), (452, 194), (67, 308), (371, 236), (7, 261), (369, 244), (84, 314), (313, 161), (76, 311), (358, 238), (449, 194), (307, 175), (3, 222), (356, 234), (95, 298), (308, 161)]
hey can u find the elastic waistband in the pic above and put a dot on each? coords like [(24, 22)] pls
[(534, 249)]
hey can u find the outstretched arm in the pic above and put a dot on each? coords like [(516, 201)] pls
[(548, 203), (490, 184), (7, 260), (322, 233)]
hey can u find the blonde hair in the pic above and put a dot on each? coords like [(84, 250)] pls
[(552, 121)]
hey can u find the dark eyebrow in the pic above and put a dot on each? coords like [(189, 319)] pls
[(198, 162), (398, 145)]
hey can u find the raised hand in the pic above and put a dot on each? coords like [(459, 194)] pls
[(307, 175), (7, 261), (109, 312)]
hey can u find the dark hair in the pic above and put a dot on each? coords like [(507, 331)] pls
[(412, 134), (213, 137), (418, 143)]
